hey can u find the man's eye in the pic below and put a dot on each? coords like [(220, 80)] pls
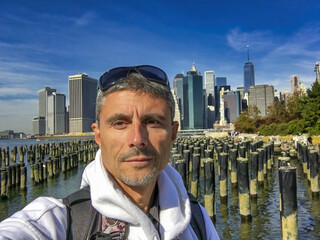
[(153, 123), (119, 124)]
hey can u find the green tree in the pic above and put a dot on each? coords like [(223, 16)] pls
[(277, 110), (301, 114), (247, 120), (293, 101), (310, 110), (253, 112)]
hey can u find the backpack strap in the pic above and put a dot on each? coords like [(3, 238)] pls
[(84, 222), (197, 220), (82, 218)]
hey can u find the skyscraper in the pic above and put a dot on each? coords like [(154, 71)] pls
[(261, 96), (192, 100), (209, 78), (43, 98), (205, 106), (317, 70), (82, 98), (56, 113), (178, 85), (244, 103), (221, 81), (221, 84), (177, 113), (208, 99), (294, 83), (248, 74), (178, 90), (40, 122), (232, 105)]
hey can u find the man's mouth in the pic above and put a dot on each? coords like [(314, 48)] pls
[(138, 159)]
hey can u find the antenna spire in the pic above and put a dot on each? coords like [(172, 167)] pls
[(248, 52)]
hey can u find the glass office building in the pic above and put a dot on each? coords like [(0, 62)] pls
[(193, 100), (248, 76)]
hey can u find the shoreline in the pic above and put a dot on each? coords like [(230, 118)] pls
[(72, 136)]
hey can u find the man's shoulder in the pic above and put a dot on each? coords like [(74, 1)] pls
[(44, 217), (40, 206)]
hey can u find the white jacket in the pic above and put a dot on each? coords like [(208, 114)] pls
[(45, 217)]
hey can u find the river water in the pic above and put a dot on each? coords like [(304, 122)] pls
[(59, 187), (266, 222)]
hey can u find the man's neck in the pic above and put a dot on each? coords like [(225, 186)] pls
[(140, 195)]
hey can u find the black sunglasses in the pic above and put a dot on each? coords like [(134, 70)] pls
[(152, 73)]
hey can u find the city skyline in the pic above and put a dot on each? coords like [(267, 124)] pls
[(42, 43)]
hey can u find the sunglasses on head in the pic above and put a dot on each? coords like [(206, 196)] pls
[(152, 73)]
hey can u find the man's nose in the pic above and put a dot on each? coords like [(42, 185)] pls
[(138, 136)]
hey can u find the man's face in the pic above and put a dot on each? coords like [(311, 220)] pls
[(135, 136)]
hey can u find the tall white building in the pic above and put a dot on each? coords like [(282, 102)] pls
[(177, 113), (40, 122), (178, 91), (56, 113), (295, 83), (43, 98), (82, 102), (209, 78), (317, 70)]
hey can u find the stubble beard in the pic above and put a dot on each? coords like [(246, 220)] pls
[(137, 180)]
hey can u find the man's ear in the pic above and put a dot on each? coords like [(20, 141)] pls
[(175, 127), (96, 131)]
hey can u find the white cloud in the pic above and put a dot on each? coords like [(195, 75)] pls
[(7, 92), (23, 77), (259, 39)]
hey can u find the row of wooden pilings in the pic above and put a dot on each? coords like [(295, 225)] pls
[(246, 165), (43, 161), (309, 159)]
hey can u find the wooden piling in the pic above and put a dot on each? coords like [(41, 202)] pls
[(9, 176), (195, 174), (254, 175), (49, 166), (223, 160), (180, 166), (233, 162), (288, 199), (36, 173), (209, 188), (260, 166), (314, 173), (243, 188), (4, 186), (23, 178)]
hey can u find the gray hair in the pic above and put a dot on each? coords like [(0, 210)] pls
[(136, 82)]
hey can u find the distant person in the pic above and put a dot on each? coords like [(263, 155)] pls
[(129, 191)]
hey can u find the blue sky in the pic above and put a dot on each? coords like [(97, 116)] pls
[(43, 42)]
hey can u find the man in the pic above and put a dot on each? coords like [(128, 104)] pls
[(133, 190)]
